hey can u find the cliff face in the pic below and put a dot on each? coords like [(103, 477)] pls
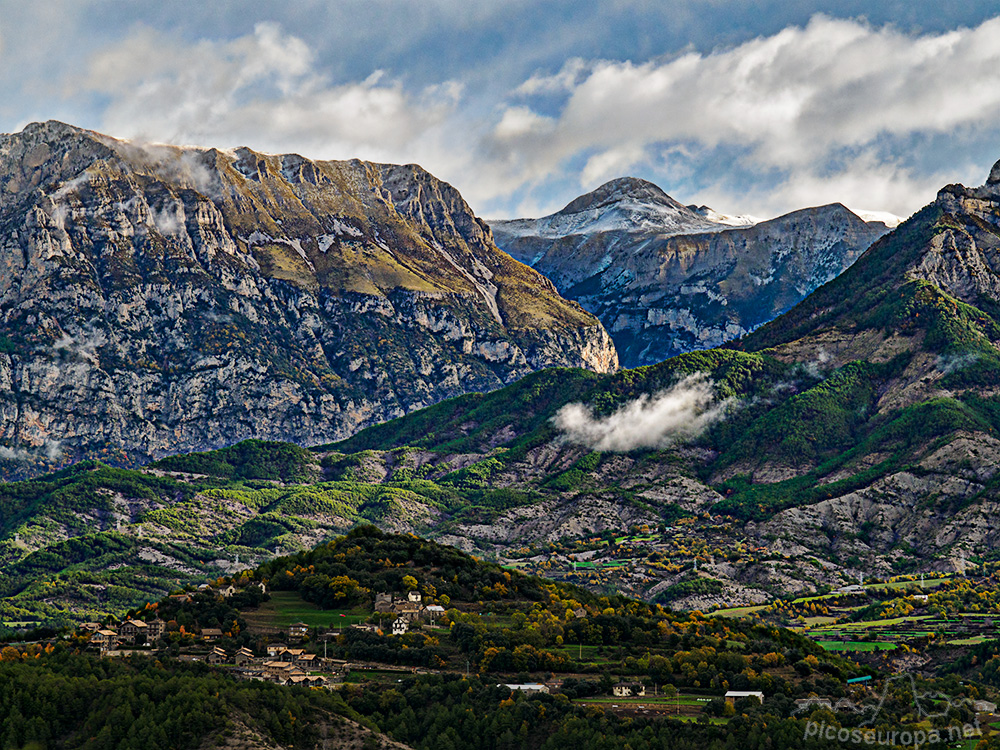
[(665, 279), (156, 299)]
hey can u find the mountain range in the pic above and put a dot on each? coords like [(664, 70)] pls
[(853, 435), (156, 299), (665, 278)]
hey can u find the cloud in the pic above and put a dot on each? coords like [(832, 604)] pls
[(948, 363), (50, 450), (83, 346), (828, 110), (816, 104), (264, 90), (682, 412)]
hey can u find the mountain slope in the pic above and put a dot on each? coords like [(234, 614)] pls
[(665, 278), (155, 299), (858, 433), (855, 435)]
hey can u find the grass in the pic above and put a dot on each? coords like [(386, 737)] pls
[(589, 654), (737, 611), (856, 646), (660, 700), (865, 624), (811, 622), (375, 675), (974, 641), (285, 608)]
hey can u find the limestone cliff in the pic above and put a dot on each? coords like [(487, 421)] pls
[(667, 278), (156, 299)]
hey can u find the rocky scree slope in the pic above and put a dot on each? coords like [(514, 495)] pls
[(667, 278), (156, 299)]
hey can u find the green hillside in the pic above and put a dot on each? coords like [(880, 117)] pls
[(448, 683)]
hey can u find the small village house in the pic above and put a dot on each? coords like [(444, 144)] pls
[(527, 687), (628, 689), (734, 695), (217, 656), (244, 657)]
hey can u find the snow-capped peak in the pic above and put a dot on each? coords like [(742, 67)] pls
[(626, 204)]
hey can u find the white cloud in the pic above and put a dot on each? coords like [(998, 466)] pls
[(50, 450), (681, 412), (829, 111), (792, 102), (262, 90)]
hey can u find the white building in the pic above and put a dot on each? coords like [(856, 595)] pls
[(628, 689), (734, 695), (529, 687)]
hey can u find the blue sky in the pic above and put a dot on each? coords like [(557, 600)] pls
[(749, 107)]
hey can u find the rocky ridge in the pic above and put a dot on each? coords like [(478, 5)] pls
[(667, 278), (155, 299)]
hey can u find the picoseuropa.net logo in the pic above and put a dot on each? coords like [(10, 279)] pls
[(928, 706)]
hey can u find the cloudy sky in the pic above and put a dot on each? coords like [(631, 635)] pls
[(749, 107)]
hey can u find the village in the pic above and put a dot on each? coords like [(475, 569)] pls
[(299, 656), (277, 662)]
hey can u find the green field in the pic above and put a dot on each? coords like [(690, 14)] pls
[(591, 565), (374, 675), (588, 654), (649, 698), (974, 641), (285, 608), (856, 646), (737, 611), (865, 624)]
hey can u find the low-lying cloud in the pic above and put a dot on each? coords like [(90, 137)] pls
[(682, 412), (50, 450)]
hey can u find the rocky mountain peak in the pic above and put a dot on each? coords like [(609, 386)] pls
[(994, 178), (156, 299), (622, 189)]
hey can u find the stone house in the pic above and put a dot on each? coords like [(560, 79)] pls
[(298, 630), (409, 610), (217, 656), (307, 661), (290, 655), (104, 639), (130, 629), (400, 625), (244, 657), (433, 612), (628, 689), (155, 629)]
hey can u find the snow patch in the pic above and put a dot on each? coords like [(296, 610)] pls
[(882, 217)]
